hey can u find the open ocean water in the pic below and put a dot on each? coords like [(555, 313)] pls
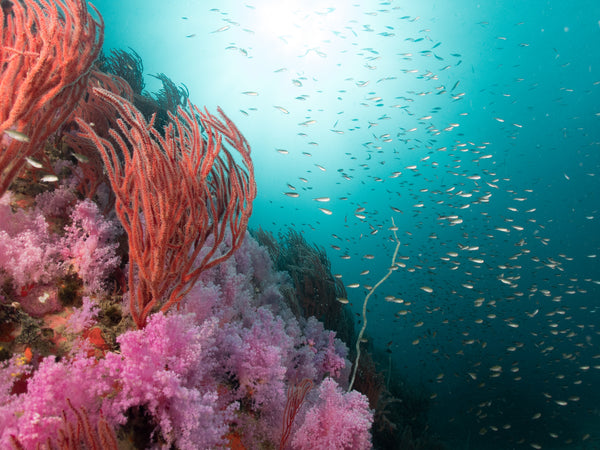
[(468, 131)]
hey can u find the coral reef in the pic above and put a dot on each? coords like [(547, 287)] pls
[(215, 371), (135, 309), (316, 292)]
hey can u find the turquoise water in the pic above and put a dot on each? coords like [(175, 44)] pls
[(475, 126)]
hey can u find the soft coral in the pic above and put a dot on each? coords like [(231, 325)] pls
[(89, 244), (337, 421)]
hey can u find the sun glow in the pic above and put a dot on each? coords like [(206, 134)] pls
[(300, 24)]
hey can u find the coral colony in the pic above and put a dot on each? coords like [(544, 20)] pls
[(135, 309)]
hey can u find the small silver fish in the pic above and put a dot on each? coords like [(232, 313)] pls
[(33, 163), (220, 30), (17, 135), (282, 109), (49, 179), (81, 158)]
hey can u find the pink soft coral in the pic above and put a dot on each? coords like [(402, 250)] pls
[(329, 352), (36, 415), (89, 245), (83, 317), (338, 421), (28, 252), (218, 367), (167, 367)]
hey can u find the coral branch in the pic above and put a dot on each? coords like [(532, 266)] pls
[(46, 52), (295, 398), (177, 194)]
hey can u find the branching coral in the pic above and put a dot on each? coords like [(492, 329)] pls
[(174, 194), (126, 65), (46, 52), (316, 290)]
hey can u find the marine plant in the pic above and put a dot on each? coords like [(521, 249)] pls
[(127, 65)]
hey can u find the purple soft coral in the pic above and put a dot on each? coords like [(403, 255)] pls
[(216, 370), (28, 252), (89, 245), (166, 367), (338, 421)]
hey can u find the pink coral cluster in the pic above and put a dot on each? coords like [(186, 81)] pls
[(89, 245), (347, 416), (33, 257), (206, 375), (28, 250)]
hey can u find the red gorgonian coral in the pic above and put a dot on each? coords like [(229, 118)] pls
[(46, 52), (177, 193)]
